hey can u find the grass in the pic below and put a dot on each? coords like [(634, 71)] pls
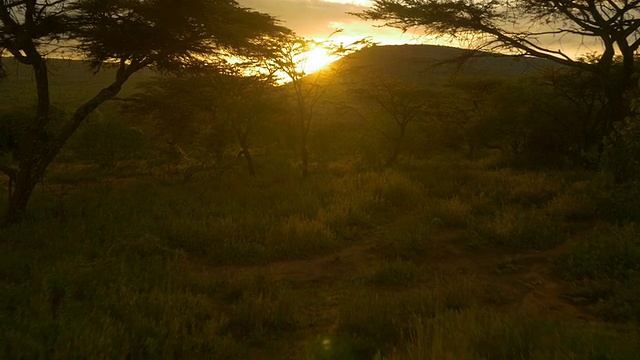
[(478, 334), (604, 270), (421, 262)]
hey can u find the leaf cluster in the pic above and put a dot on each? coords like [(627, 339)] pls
[(168, 34)]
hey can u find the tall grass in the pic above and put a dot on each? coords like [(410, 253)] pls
[(486, 334), (148, 268)]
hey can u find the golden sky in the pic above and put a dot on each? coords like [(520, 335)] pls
[(317, 19)]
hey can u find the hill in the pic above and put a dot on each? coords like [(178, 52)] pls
[(428, 63)]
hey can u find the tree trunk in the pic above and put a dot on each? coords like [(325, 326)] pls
[(242, 139), (25, 182), (247, 156), (395, 152), (37, 151), (31, 147), (393, 157), (304, 153), (305, 162)]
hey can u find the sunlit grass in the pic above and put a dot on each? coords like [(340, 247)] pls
[(168, 268)]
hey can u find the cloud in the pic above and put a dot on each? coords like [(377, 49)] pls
[(317, 19), (309, 18)]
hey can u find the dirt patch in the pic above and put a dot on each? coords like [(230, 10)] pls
[(512, 280)]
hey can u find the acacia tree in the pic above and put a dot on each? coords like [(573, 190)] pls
[(399, 102), (525, 26), (209, 104), (244, 101), (288, 56), (166, 35)]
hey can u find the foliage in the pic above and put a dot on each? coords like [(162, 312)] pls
[(350, 263), (203, 110), (524, 27), (130, 35), (106, 142), (604, 270), (401, 105), (306, 90), (622, 151), (521, 28), (472, 334), (610, 253)]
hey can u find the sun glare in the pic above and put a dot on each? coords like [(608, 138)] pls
[(315, 60)]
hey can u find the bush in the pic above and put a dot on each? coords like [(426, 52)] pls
[(611, 253), (106, 142), (524, 230)]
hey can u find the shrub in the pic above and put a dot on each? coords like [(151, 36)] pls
[(524, 229), (611, 253), (106, 142)]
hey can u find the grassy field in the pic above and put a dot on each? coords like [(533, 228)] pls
[(444, 258)]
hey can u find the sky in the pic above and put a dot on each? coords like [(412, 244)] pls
[(317, 19)]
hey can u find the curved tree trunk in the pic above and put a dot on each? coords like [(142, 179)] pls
[(24, 185), (37, 151), (397, 147)]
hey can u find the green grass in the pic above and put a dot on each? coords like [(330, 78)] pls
[(604, 270), (481, 334), (156, 268)]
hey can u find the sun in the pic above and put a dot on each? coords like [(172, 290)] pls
[(316, 59)]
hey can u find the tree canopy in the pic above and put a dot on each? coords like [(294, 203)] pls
[(538, 28), (533, 27), (166, 35)]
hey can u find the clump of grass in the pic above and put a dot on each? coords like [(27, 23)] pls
[(533, 188), (605, 271), (261, 309), (300, 237), (393, 273), (408, 239), (523, 229), (78, 298), (617, 203), (375, 324), (575, 203), (609, 253), (399, 192), (450, 212), (485, 334)]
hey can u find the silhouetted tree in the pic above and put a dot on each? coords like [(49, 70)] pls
[(167, 35), (243, 101), (525, 26), (585, 114), (289, 57), (399, 102), (197, 112)]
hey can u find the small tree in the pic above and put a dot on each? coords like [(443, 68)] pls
[(243, 101), (163, 34), (398, 102), (191, 111), (106, 142), (288, 57)]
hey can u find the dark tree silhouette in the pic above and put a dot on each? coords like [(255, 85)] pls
[(288, 56), (525, 26), (166, 35), (399, 102), (183, 110)]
